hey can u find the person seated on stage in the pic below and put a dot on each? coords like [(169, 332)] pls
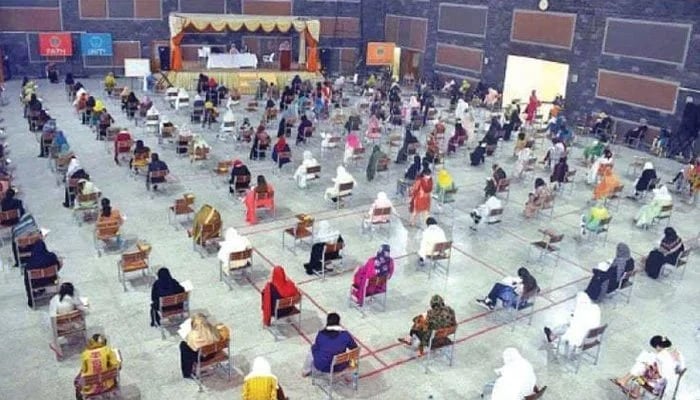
[(108, 214), (233, 49), (211, 113), (62, 303), (602, 125), (165, 285), (261, 142), (608, 274), (439, 316), (432, 235), (540, 199), (279, 148), (97, 358), (40, 257), (591, 221), (323, 233), (239, 170), (342, 176), (645, 182), (480, 214), (300, 175), (139, 155), (233, 243), (155, 165), (380, 265), (261, 383), (649, 212), (203, 333), (301, 130), (656, 370), (492, 183), (516, 378), (559, 173), (514, 292), (85, 188), (330, 341), (459, 137), (278, 287), (9, 203), (637, 133), (607, 186), (252, 202), (382, 201), (478, 156), (586, 316), (669, 250), (110, 83)]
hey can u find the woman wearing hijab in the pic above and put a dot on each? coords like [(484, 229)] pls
[(480, 215), (559, 173), (62, 303), (586, 316), (236, 184), (409, 140), (86, 188), (253, 201), (60, 144), (373, 163), (278, 287), (420, 196), (432, 235), (139, 156), (437, 317), (74, 171), (608, 274), (342, 176), (592, 220), (513, 292), (97, 358), (410, 175), (203, 333), (352, 142), (532, 106), (278, 150), (478, 156), (516, 378), (382, 201), (108, 214), (445, 187), (165, 285), (602, 163), (260, 383), (261, 141), (323, 233), (381, 265), (647, 213), (646, 181), (669, 250), (301, 130), (40, 257), (300, 175), (459, 137), (154, 166), (607, 186), (233, 243), (541, 198), (207, 224)]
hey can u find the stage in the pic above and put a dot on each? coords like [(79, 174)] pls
[(245, 80)]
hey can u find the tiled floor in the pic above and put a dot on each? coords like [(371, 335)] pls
[(388, 370)]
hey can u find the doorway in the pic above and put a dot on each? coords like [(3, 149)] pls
[(525, 74), (409, 62)]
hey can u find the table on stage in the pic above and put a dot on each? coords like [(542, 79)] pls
[(242, 60)]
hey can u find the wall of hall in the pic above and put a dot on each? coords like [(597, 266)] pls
[(460, 38)]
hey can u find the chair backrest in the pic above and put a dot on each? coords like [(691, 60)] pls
[(604, 223), (9, 215), (346, 357), (84, 198), (67, 321), (316, 169), (174, 299), (503, 184), (96, 379), (41, 273), (444, 332), (134, 257), (263, 195), (29, 240), (347, 186), (287, 302), (536, 393), (665, 211), (494, 212), (158, 174), (107, 228), (182, 206), (333, 247), (383, 164), (377, 280), (210, 349), (240, 255), (594, 337), (442, 247), (241, 179), (381, 212)]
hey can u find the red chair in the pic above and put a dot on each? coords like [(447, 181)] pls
[(122, 145)]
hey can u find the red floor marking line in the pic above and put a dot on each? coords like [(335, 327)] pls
[(267, 260), (565, 285), (522, 239), (302, 334), (484, 263)]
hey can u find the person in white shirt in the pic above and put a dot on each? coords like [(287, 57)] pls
[(342, 176), (382, 201), (300, 175), (586, 316), (233, 243), (516, 378), (432, 235), (64, 302), (480, 214)]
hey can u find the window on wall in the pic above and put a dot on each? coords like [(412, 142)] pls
[(120, 9)]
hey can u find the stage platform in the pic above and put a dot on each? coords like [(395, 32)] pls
[(246, 80)]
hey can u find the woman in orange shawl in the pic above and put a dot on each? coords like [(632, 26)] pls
[(278, 287), (420, 196), (252, 204), (608, 183)]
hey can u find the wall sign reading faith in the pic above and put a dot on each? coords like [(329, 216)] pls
[(55, 44), (96, 44)]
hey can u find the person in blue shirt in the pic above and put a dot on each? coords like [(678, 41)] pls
[(330, 341)]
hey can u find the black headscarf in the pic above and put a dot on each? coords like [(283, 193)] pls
[(41, 257), (165, 285)]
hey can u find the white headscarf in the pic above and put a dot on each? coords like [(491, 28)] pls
[(648, 165), (73, 166), (586, 317), (461, 108), (88, 187), (342, 175), (233, 242), (260, 368), (382, 201), (308, 156), (324, 232), (662, 194), (517, 377)]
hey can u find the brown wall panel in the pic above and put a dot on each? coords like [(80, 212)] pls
[(543, 28), (648, 40), (124, 50), (203, 6), (93, 8), (147, 9), (466, 58), (418, 34), (266, 7), (391, 29), (462, 19), (341, 27), (30, 19), (637, 90)]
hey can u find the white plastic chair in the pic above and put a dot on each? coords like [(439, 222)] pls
[(268, 58)]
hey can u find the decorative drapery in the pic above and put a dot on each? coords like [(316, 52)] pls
[(309, 29)]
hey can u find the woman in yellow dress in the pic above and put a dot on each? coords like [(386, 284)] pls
[(110, 83), (260, 383), (97, 358)]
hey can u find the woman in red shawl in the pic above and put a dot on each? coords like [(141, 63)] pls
[(281, 147), (531, 109), (380, 265), (279, 287), (420, 196)]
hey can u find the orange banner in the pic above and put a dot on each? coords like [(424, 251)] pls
[(380, 53)]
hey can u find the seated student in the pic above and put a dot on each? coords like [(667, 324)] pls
[(252, 203), (154, 166), (492, 183), (323, 233), (352, 142), (132, 104), (261, 142), (514, 292), (648, 212), (409, 140), (40, 258), (281, 147), (516, 378), (432, 150), (207, 224), (586, 316), (658, 369), (85, 187), (210, 114), (609, 182), (165, 285), (301, 130), (480, 214), (591, 221), (203, 333), (74, 171), (97, 358), (8, 203), (559, 173), (278, 287), (245, 131), (637, 133), (105, 120), (459, 137), (541, 198), (300, 175), (239, 170), (330, 341), (432, 235), (233, 243), (373, 162), (139, 156), (109, 214), (669, 250), (145, 105), (342, 176), (382, 201), (381, 265), (594, 151), (409, 176), (555, 152), (437, 317), (445, 186), (601, 164), (610, 273), (64, 302), (260, 383), (59, 145), (645, 182)]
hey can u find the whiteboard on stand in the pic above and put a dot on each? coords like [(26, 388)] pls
[(137, 67)]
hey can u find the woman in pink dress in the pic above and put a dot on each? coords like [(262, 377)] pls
[(531, 109), (352, 142), (373, 128), (380, 265)]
